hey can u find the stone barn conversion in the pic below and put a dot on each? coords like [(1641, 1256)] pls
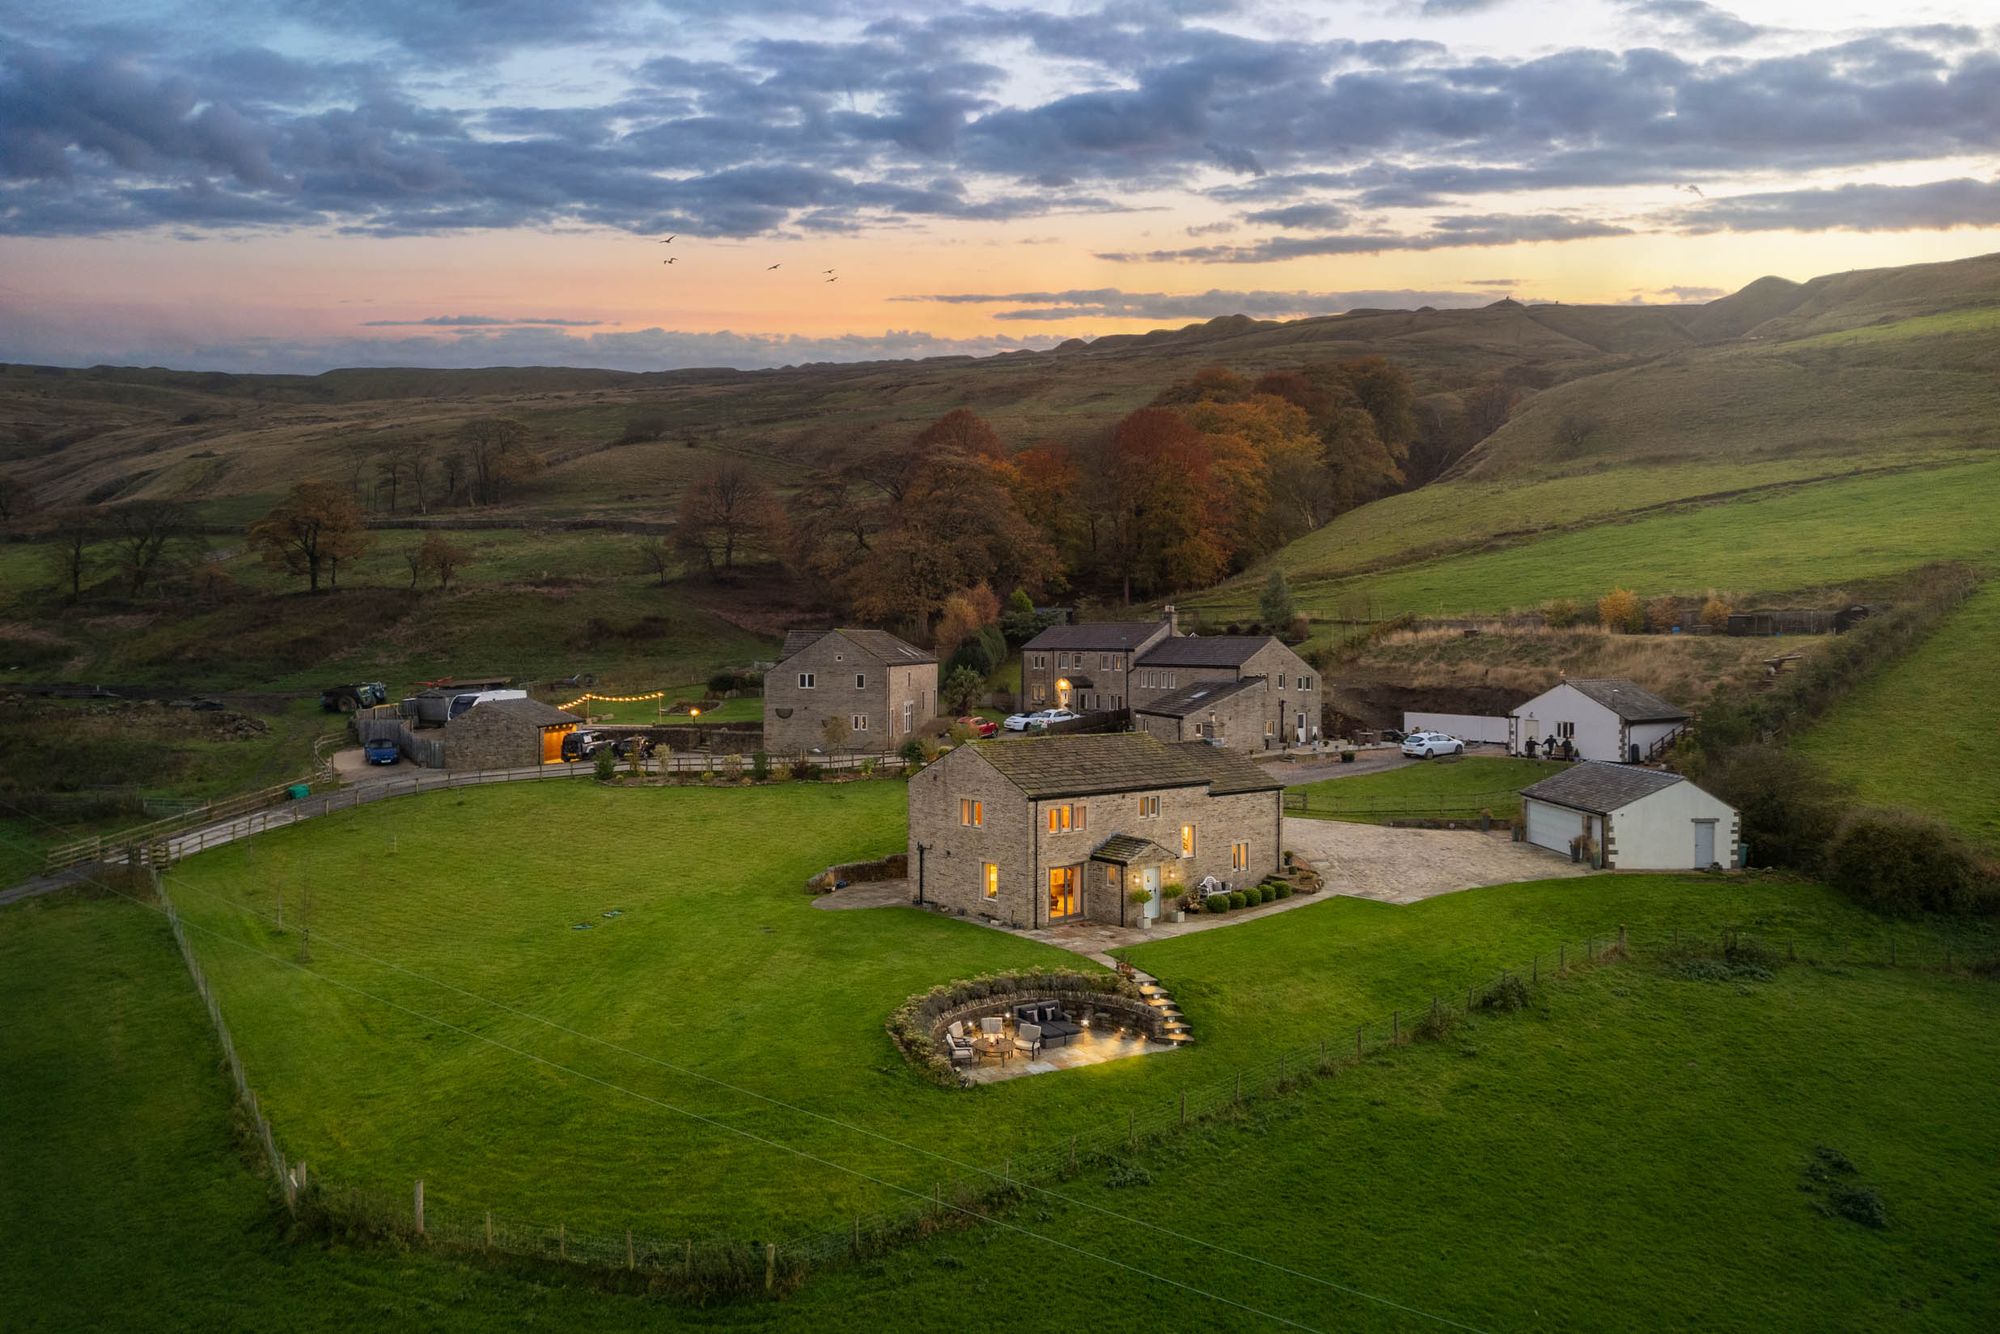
[(1612, 721), (507, 734), (1104, 828), (1624, 818), (848, 690)]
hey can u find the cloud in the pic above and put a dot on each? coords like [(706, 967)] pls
[(1301, 215), (632, 350), (1115, 303), (1697, 20), (1485, 229), (1933, 206), (480, 322), (1682, 293)]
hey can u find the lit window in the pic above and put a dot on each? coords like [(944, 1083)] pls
[(1149, 808), (1267, 727), (805, 680), (1239, 856), (1064, 818), (992, 881), (1187, 840), (971, 812)]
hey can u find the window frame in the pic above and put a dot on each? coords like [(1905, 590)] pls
[(971, 813), (1189, 843), (989, 881), (808, 680)]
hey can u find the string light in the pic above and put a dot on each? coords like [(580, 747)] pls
[(611, 699)]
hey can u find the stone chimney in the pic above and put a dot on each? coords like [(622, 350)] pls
[(1172, 616)]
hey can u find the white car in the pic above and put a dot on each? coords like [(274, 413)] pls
[(1022, 722), (1424, 745)]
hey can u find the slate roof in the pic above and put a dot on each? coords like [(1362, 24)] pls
[(1229, 771), (531, 711), (1630, 702), (880, 643), (1600, 788), (1197, 696), (1097, 636), (1205, 650), (1125, 849), (1084, 765)]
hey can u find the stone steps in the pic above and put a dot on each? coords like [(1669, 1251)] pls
[(1173, 1024)]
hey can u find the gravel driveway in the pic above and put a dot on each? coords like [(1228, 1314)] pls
[(1405, 865)]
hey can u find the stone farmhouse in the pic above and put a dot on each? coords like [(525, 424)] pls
[(1043, 830), (848, 690), (1613, 721), (1172, 682)]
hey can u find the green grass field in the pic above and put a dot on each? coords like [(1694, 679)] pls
[(719, 964), (1825, 535), (1629, 1153), (1443, 789), (1922, 732)]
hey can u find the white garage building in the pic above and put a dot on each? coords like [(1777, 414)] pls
[(1635, 819), (1614, 721)]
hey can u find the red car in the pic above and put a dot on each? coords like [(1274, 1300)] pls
[(981, 727)]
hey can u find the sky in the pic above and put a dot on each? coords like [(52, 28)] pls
[(294, 185)]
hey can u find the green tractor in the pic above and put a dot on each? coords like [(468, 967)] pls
[(346, 699)]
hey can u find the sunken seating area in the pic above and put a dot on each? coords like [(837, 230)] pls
[(1057, 1027)]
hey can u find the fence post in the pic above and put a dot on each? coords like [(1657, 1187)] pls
[(562, 1241), (1322, 1055), (489, 1229), (1396, 1026), (1621, 936), (1357, 1042), (1072, 1142), (1239, 1087), (857, 1234), (417, 1206), (1892, 949), (1281, 1069), (1562, 958), (1131, 1129), (1072, 1138), (770, 1265)]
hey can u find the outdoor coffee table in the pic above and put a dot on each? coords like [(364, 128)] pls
[(993, 1046)]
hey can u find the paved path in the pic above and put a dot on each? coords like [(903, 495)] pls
[(1371, 861)]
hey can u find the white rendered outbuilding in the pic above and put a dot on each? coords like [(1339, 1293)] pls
[(1634, 819), (1613, 721)]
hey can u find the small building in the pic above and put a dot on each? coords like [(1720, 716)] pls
[(1043, 830), (1222, 713), (1625, 818), (1612, 721), (848, 690), (1087, 666), (1284, 685), (507, 734)]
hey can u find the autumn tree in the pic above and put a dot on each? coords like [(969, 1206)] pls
[(1715, 614), (1210, 384), (1621, 610), (965, 614), (1046, 482), (724, 510), (442, 558), (494, 457), (1158, 470), (827, 526), (960, 429), (311, 530)]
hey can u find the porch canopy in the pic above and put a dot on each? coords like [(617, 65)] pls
[(1131, 850)]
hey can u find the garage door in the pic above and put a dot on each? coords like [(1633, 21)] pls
[(1551, 826)]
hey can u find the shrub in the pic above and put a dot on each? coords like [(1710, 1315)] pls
[(1215, 903), (1903, 863), (1663, 613), (868, 765), (1439, 1022), (1284, 889), (1507, 994), (1562, 613), (1715, 614), (730, 767), (1789, 808), (1858, 1204), (804, 770), (606, 764), (1238, 899), (1125, 1173), (913, 752), (1266, 894), (1720, 970), (760, 766), (1620, 610)]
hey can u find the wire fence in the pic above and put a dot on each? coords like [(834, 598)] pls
[(959, 1195)]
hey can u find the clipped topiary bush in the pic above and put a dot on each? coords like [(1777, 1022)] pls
[(1238, 899), (1215, 903)]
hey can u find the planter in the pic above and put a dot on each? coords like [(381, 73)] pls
[(1347, 757)]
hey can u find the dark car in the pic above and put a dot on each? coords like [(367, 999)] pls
[(382, 751)]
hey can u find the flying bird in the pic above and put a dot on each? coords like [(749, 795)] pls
[(670, 259), (773, 267), (833, 280), (826, 270), (670, 239), (1694, 190)]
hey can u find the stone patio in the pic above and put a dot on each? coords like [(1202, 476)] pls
[(1090, 1047)]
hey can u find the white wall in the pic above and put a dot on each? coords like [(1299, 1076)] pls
[(1464, 726), (1599, 731), (1551, 826), (1656, 833)]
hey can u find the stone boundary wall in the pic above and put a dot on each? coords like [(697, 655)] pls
[(896, 866), (917, 1025)]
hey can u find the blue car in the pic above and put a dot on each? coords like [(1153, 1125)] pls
[(382, 751)]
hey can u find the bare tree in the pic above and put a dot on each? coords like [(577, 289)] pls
[(73, 535), (390, 470), (141, 531), (443, 558), (656, 557), (417, 463), (1574, 431), (497, 454), (1488, 405), (311, 530), (723, 511)]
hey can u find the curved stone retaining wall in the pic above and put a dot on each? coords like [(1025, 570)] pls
[(918, 1025)]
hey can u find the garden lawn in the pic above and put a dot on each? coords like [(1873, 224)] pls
[(1922, 732), (1437, 789), (1628, 1154), (718, 965)]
